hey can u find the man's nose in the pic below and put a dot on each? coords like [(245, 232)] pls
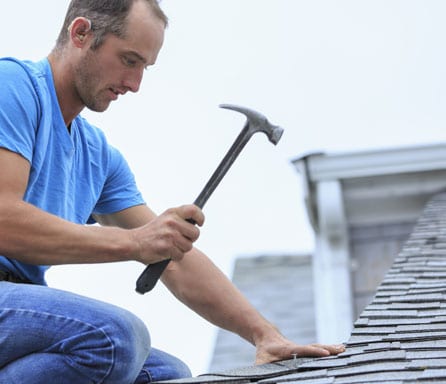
[(133, 80)]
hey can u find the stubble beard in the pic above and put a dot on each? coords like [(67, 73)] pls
[(88, 73)]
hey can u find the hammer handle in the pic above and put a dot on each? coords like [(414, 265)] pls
[(148, 279)]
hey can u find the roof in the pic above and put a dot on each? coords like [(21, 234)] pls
[(399, 338), (349, 195)]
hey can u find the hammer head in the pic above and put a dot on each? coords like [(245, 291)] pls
[(256, 122)]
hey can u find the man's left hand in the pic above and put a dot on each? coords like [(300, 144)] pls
[(279, 348)]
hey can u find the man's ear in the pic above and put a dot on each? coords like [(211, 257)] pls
[(79, 30)]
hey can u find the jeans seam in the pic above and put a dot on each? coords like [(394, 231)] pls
[(147, 372)]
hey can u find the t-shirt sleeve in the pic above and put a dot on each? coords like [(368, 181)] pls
[(19, 109), (120, 190)]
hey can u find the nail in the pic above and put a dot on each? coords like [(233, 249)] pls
[(294, 359)]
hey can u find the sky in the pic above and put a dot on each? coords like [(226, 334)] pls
[(337, 75)]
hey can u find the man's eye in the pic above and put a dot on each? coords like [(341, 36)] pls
[(128, 62)]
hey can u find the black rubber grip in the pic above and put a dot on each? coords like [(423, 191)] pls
[(148, 279)]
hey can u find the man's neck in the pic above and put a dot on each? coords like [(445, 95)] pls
[(69, 103)]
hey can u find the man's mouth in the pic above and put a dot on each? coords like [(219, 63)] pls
[(115, 93)]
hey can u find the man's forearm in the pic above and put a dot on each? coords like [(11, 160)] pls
[(199, 284), (33, 236)]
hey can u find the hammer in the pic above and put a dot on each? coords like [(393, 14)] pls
[(255, 122)]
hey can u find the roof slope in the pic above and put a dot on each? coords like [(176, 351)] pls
[(399, 338)]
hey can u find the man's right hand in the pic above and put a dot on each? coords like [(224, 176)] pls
[(169, 235)]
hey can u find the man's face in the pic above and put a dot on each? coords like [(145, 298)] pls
[(117, 66)]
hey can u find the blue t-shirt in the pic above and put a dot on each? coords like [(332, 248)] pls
[(75, 173)]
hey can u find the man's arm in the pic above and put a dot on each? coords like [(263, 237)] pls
[(199, 284), (33, 236)]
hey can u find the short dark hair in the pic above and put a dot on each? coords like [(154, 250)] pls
[(106, 16)]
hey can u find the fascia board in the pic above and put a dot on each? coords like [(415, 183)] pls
[(376, 162)]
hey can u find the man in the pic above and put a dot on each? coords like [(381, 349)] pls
[(58, 173)]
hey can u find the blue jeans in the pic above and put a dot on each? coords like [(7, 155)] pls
[(52, 336)]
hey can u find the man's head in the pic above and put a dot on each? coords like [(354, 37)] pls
[(103, 49), (105, 16)]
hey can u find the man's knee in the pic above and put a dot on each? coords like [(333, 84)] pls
[(131, 341)]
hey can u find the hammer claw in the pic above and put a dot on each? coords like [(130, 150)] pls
[(257, 122)]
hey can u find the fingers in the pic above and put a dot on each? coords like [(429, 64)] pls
[(180, 234), (170, 235), (183, 220), (319, 350), (333, 349), (191, 212)]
